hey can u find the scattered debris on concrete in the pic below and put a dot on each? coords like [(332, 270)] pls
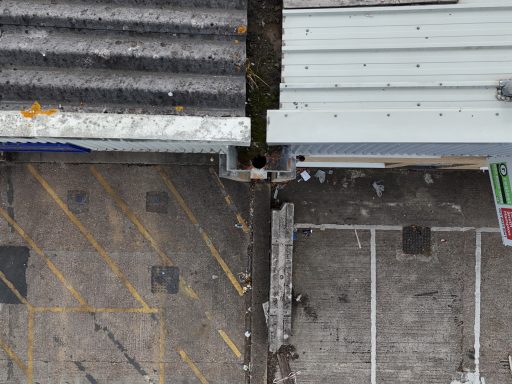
[(379, 188), (307, 232), (305, 175), (320, 175), (428, 178), (357, 238)]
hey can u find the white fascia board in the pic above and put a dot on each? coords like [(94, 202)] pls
[(493, 125), (63, 125)]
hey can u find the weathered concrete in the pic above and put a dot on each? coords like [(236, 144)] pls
[(124, 347), (375, 314)]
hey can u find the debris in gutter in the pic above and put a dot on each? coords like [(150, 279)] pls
[(266, 306)]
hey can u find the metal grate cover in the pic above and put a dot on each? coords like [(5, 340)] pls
[(416, 240), (165, 279)]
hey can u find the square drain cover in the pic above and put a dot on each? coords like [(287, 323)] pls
[(416, 240), (78, 201), (165, 279), (157, 202)]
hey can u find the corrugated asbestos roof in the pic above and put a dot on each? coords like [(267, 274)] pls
[(412, 74), (124, 56)]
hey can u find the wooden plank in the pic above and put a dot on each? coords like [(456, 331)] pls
[(358, 3), (461, 162)]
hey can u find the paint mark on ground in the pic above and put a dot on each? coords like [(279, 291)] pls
[(192, 366), (229, 201), (88, 235), (88, 376), (213, 250), (132, 361), (36, 110)]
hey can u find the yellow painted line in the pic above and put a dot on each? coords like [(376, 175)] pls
[(142, 229), (192, 366), (230, 343), (94, 310), (30, 346), (13, 289), (229, 201), (47, 260), (204, 235), (162, 349), (13, 356), (85, 232)]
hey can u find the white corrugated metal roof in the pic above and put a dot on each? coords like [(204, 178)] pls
[(412, 74)]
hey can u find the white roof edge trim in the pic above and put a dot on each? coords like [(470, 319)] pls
[(492, 125), (225, 130), (397, 8)]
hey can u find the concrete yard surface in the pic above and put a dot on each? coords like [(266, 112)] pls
[(88, 286), (367, 310)]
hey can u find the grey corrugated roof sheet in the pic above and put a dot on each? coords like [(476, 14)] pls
[(124, 56)]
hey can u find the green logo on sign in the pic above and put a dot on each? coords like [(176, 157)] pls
[(501, 183)]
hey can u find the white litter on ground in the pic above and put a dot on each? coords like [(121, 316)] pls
[(379, 188), (305, 175), (320, 175)]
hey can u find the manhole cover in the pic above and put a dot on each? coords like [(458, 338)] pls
[(157, 202), (165, 279), (416, 240), (78, 201)]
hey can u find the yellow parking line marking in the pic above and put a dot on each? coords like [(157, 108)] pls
[(192, 366), (30, 346), (95, 310), (40, 252), (13, 356), (13, 289), (230, 343), (204, 235), (140, 227), (162, 349), (88, 235), (229, 201)]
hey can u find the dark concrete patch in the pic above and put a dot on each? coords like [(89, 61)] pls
[(131, 360), (165, 279), (13, 263), (416, 240), (157, 202), (88, 376), (78, 201)]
